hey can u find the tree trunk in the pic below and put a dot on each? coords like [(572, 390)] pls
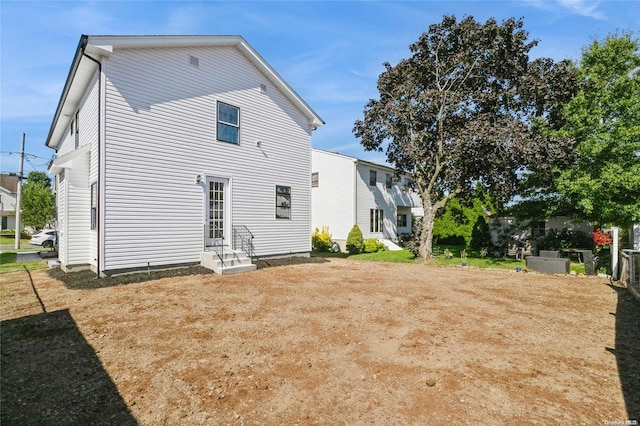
[(426, 236)]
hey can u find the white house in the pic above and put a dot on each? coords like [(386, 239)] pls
[(168, 146), (8, 189), (346, 191)]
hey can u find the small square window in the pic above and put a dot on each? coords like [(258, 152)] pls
[(228, 128), (283, 202), (314, 180), (373, 177)]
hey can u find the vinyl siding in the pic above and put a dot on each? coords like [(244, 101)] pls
[(77, 243), (333, 200), (78, 213), (160, 133), (374, 197), (61, 212)]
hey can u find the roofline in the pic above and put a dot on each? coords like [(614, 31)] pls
[(355, 159), (106, 43), (67, 85)]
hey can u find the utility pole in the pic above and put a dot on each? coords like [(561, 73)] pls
[(19, 196)]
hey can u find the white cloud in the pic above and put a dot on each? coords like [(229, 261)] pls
[(587, 8), (583, 7)]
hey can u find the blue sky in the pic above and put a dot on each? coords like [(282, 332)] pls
[(330, 52)]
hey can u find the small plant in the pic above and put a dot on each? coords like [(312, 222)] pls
[(448, 254), (484, 252), (372, 245), (321, 240), (463, 255), (355, 241)]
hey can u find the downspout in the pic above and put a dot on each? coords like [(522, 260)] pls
[(98, 181)]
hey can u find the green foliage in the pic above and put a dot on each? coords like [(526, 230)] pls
[(464, 221), (355, 241), (321, 240), (458, 112), (372, 245), (556, 239), (38, 202), (604, 121)]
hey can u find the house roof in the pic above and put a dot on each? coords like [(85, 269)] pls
[(8, 182), (92, 48), (357, 160)]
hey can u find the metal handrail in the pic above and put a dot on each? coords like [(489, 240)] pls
[(243, 239)]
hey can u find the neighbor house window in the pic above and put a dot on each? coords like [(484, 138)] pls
[(94, 205), (228, 128), (376, 220), (402, 220), (283, 202), (314, 180), (388, 181), (373, 177)]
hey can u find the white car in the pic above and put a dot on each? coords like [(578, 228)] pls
[(45, 238)]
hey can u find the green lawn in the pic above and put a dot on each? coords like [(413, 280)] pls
[(8, 263), (473, 259), (10, 241)]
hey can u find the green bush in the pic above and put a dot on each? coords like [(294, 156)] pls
[(321, 240), (557, 239), (372, 245), (355, 241)]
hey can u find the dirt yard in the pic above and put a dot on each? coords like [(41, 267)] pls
[(328, 342)]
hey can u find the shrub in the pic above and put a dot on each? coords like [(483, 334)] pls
[(412, 241), (372, 245), (321, 240), (355, 241), (557, 239)]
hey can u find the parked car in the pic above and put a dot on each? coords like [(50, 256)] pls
[(45, 238)]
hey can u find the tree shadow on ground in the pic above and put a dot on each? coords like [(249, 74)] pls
[(627, 350), (51, 375)]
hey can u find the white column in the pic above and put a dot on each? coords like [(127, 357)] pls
[(615, 231)]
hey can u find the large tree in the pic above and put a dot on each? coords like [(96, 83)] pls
[(604, 120), (38, 202), (458, 113)]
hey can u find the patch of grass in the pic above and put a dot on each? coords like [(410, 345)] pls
[(10, 241), (87, 279), (399, 256), (8, 263)]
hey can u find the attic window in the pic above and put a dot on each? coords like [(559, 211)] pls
[(263, 88), (194, 61)]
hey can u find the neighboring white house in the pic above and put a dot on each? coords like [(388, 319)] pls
[(8, 189), (346, 191), (169, 145)]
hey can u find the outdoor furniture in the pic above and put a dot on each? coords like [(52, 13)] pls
[(548, 265)]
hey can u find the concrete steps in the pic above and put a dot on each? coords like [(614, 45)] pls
[(228, 262)]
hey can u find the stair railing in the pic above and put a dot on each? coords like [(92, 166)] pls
[(243, 240)]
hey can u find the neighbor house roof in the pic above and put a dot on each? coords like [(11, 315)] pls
[(8, 182), (92, 48)]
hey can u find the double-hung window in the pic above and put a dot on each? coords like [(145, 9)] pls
[(228, 128), (373, 177), (314, 180), (388, 180), (402, 220), (283, 202)]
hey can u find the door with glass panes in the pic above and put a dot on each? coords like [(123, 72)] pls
[(217, 215)]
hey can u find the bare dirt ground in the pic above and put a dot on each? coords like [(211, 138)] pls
[(328, 342)]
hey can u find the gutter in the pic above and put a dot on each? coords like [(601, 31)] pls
[(82, 44)]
